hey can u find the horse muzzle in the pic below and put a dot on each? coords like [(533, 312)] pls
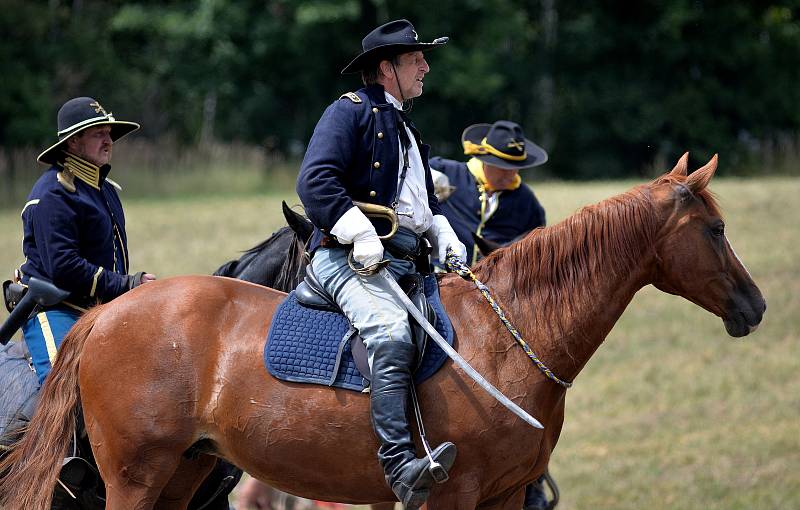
[(743, 320)]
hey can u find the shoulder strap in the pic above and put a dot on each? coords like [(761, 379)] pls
[(352, 96)]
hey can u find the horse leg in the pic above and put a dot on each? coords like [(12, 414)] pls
[(134, 476), (466, 497), (136, 483), (510, 500), (454, 500), (187, 478)]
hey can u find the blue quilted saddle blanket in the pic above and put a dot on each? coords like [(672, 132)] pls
[(313, 346)]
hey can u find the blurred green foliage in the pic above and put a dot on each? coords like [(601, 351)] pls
[(608, 88)]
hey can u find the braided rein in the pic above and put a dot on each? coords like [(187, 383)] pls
[(456, 265)]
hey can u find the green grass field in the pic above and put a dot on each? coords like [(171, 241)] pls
[(671, 413)]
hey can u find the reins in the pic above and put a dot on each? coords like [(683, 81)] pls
[(455, 265)]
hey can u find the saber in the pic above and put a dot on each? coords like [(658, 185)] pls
[(455, 356)]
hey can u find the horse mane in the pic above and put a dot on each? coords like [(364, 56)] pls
[(557, 267), (292, 270)]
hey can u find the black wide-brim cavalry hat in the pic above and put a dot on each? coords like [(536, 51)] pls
[(77, 115), (502, 144), (386, 41)]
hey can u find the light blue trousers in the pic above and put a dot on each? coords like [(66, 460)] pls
[(367, 301), (43, 334)]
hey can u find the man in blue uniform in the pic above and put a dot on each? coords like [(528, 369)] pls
[(74, 227), (365, 149), (488, 196)]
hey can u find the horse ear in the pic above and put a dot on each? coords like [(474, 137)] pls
[(297, 222), (699, 179), (681, 166)]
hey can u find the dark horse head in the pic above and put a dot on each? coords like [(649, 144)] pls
[(279, 261)]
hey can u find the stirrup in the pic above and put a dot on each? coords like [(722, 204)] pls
[(438, 472), (435, 468)]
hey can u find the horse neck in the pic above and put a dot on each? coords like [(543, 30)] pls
[(564, 287)]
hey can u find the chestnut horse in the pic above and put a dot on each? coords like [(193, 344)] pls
[(171, 374)]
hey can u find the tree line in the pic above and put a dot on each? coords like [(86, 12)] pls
[(608, 88)]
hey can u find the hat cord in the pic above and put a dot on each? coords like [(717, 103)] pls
[(403, 100)]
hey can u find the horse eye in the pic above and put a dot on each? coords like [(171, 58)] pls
[(718, 230)]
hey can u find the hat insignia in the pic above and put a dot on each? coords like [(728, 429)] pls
[(516, 144), (98, 108), (416, 37)]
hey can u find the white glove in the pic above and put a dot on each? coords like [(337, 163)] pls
[(354, 227), (442, 237), (367, 249), (441, 185)]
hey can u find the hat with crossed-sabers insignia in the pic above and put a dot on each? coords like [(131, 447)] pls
[(502, 144), (78, 114)]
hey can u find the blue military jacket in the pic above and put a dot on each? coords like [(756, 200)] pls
[(354, 154), (76, 239), (518, 211)]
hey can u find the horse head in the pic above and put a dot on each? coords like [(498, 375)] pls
[(694, 258)]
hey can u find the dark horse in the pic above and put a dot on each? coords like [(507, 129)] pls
[(277, 262), (170, 375)]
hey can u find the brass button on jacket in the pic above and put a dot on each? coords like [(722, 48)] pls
[(380, 135), (376, 165), (372, 193)]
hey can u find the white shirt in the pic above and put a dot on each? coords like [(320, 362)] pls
[(413, 211), (492, 201)]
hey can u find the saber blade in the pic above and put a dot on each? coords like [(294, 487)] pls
[(455, 356)]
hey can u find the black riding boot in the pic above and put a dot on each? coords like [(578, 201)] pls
[(408, 476)]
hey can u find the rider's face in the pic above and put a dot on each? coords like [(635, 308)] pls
[(499, 178), (93, 144), (411, 68)]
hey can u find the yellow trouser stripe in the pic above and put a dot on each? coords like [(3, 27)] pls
[(47, 333), (94, 281)]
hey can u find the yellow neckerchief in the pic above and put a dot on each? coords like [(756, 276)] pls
[(475, 167)]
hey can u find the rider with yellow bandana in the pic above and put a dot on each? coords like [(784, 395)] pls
[(488, 196)]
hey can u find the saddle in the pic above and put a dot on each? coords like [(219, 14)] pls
[(311, 294)]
